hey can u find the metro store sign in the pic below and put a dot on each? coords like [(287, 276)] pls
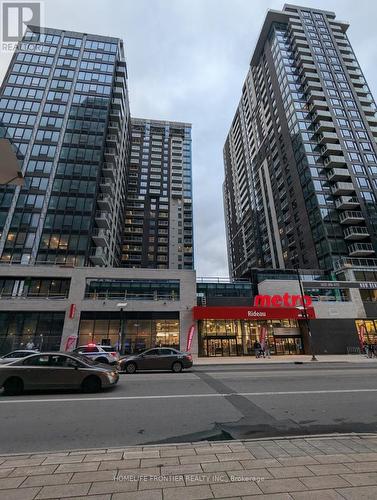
[(273, 307)]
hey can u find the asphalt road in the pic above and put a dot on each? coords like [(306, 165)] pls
[(209, 402)]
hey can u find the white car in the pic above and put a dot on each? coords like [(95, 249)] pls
[(98, 353), (12, 356)]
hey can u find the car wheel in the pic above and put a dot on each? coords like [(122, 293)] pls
[(102, 360), (130, 368), (176, 367), (13, 386), (91, 384)]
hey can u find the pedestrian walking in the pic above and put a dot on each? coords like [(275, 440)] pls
[(257, 349), (30, 345), (267, 349), (365, 347)]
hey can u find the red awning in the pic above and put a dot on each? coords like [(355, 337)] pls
[(251, 313)]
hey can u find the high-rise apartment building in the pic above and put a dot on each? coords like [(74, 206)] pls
[(301, 156), (158, 223), (64, 104)]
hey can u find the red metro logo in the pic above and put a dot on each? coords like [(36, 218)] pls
[(286, 300)]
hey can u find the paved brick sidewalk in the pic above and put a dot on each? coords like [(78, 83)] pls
[(323, 468), (304, 358)]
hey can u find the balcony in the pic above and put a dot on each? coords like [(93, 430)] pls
[(113, 128), (360, 249), (323, 126), (347, 263), (327, 138), (115, 117), (316, 94), (289, 228), (351, 217), (372, 119), (106, 185), (101, 237), (356, 233), (374, 130), (318, 115), (330, 148), (368, 109), (317, 104), (338, 174), (312, 86), (305, 59), (366, 100), (112, 140), (104, 202), (121, 69), (103, 220), (291, 242), (110, 154), (108, 171), (340, 188), (358, 82), (332, 161), (98, 256), (116, 103), (306, 67), (299, 39), (347, 202), (311, 77)]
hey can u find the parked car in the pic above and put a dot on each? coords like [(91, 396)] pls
[(12, 356), (161, 358), (56, 370), (98, 353)]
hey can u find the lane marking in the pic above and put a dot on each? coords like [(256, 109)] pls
[(182, 396)]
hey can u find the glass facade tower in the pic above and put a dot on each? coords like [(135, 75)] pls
[(158, 224), (64, 104), (301, 156)]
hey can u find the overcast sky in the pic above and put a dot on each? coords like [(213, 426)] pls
[(187, 60)]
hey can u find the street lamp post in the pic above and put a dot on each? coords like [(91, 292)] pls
[(122, 306), (306, 316)]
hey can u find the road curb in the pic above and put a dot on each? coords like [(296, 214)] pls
[(349, 435)]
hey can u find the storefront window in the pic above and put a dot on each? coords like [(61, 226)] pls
[(237, 337), (42, 330), (138, 333), (367, 330)]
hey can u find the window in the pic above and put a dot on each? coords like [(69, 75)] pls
[(42, 360), (152, 352)]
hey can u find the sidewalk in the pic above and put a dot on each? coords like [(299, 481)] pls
[(303, 358), (299, 468)]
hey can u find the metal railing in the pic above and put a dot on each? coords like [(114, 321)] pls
[(130, 296), (214, 279), (348, 262), (27, 295)]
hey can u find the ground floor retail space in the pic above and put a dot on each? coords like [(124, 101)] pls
[(239, 337), (131, 332)]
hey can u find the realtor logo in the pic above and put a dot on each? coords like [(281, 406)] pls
[(15, 18)]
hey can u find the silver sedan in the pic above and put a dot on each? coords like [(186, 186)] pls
[(56, 370)]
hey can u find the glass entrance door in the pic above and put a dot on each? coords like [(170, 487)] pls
[(288, 345), (222, 347)]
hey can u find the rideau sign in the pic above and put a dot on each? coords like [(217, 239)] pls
[(251, 313)]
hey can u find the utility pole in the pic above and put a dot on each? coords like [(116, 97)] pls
[(306, 316)]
